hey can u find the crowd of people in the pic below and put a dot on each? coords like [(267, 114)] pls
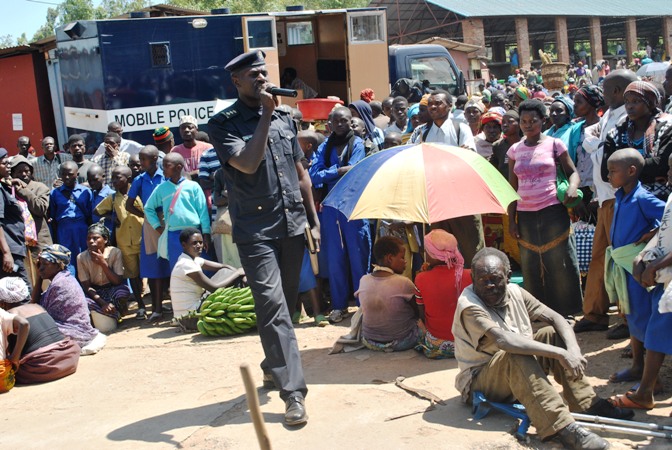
[(85, 235)]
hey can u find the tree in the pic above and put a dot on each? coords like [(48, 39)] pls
[(47, 29), (6, 41), (73, 10), (22, 40), (114, 8)]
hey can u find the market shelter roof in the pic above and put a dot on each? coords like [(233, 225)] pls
[(591, 8)]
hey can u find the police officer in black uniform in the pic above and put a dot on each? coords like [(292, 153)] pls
[(270, 203)]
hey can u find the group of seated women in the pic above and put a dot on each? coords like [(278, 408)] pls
[(398, 314)]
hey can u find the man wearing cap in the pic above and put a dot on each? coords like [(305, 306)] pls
[(164, 139), (190, 148), (12, 231), (125, 146), (270, 205), (36, 196)]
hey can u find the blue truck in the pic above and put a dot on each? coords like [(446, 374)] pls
[(148, 72)]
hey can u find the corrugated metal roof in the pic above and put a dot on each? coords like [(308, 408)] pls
[(586, 8)]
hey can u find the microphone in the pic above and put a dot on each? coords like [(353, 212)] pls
[(282, 92)]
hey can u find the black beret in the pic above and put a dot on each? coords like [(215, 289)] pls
[(249, 59)]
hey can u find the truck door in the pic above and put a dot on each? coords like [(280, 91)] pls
[(367, 53), (259, 34)]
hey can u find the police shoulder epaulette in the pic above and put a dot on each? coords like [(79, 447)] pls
[(230, 113)]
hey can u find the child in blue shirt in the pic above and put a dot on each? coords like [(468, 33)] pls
[(155, 269), (637, 215), (70, 209), (184, 205)]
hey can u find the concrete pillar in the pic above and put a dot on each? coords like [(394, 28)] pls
[(630, 38), (523, 42), (561, 43), (596, 49), (667, 35), (473, 32)]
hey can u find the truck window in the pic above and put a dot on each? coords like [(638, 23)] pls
[(366, 27), (437, 70), (261, 33), (300, 33), (160, 52)]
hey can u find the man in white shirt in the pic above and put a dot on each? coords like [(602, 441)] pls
[(126, 146), (595, 300), (468, 229), (444, 129)]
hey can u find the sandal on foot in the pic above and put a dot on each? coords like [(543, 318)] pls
[(141, 314), (624, 401), (321, 321), (296, 317), (623, 375), (155, 317)]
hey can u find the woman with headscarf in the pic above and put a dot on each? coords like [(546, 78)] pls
[(362, 110), (587, 101), (473, 111), (47, 355), (520, 94), (491, 126), (561, 114), (11, 326), (100, 270), (64, 300), (440, 285), (646, 129)]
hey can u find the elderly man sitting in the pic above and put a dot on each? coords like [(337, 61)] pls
[(499, 354)]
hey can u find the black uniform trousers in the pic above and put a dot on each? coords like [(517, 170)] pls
[(272, 268)]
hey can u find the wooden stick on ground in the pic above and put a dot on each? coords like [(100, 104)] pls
[(255, 411)]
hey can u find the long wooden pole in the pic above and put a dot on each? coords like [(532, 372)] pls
[(255, 410)]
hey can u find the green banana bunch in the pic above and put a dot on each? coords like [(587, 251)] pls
[(226, 312)]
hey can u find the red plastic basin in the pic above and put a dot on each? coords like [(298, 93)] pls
[(317, 108)]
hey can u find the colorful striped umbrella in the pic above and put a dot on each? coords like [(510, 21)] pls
[(421, 183)]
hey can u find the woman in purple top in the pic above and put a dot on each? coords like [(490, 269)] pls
[(64, 299), (538, 220)]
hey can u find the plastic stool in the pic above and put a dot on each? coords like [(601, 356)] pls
[(482, 407)]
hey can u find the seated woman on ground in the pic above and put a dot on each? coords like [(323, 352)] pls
[(64, 300), (11, 324), (439, 287), (47, 354), (188, 282), (389, 312), (100, 270)]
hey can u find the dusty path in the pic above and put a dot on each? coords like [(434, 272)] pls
[(154, 388)]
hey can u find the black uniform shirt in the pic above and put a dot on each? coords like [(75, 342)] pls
[(266, 204)]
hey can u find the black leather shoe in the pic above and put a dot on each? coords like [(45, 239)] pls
[(295, 411), (619, 332), (588, 325), (575, 437), (604, 408)]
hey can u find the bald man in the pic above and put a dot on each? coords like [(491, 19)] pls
[(125, 145)]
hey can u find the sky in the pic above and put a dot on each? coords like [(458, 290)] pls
[(25, 16)]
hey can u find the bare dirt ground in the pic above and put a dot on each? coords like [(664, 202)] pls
[(153, 387)]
